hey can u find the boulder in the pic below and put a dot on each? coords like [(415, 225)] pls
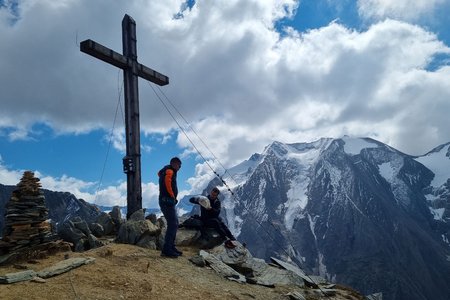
[(69, 233), (198, 260), (186, 237), (78, 233), (138, 231), (130, 232), (147, 241), (220, 267), (236, 256), (152, 218), (106, 221), (116, 216), (80, 224), (255, 270), (271, 276), (97, 229), (137, 215), (310, 281)]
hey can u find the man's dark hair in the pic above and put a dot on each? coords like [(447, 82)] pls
[(175, 160)]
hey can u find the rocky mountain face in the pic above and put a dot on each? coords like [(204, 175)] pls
[(354, 211), (61, 205)]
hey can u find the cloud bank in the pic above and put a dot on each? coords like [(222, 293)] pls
[(238, 79)]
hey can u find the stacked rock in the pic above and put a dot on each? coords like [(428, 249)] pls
[(26, 218)]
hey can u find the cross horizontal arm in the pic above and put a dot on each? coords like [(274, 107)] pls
[(116, 59), (152, 75), (103, 53)]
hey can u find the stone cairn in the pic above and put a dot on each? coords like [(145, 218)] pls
[(27, 227)]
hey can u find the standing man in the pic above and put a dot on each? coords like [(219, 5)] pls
[(211, 219), (168, 192)]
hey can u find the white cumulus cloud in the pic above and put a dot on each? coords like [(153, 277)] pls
[(399, 9), (237, 81)]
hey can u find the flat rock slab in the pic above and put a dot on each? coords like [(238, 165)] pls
[(308, 280), (296, 296), (18, 276), (221, 268), (272, 276), (58, 268), (65, 266)]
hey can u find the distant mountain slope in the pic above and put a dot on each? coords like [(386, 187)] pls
[(353, 210), (61, 205)]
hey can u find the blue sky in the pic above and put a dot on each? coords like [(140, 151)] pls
[(242, 74)]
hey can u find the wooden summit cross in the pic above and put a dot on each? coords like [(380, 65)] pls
[(131, 71)]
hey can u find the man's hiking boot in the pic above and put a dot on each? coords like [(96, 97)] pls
[(178, 252), (169, 255), (229, 244)]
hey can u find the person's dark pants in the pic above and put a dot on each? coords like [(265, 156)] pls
[(170, 214), (220, 227)]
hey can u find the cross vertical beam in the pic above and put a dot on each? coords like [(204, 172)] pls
[(131, 70), (132, 128)]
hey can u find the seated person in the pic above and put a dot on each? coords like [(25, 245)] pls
[(210, 216)]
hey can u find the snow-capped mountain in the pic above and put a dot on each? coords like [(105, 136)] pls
[(353, 210), (438, 193)]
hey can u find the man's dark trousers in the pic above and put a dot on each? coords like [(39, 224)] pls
[(219, 226), (170, 214)]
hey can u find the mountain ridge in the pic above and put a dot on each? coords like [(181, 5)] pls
[(342, 205)]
